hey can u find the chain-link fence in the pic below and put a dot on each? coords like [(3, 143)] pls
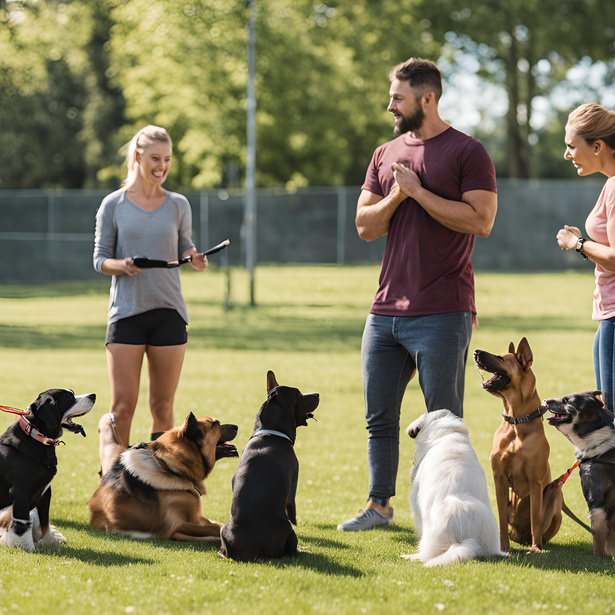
[(49, 235)]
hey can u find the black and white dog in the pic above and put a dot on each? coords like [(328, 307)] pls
[(28, 464), (588, 424)]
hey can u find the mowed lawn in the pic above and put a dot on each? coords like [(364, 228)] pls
[(306, 327)]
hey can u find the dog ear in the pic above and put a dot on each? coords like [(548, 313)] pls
[(192, 429), (272, 383), (524, 354), (41, 400), (601, 397)]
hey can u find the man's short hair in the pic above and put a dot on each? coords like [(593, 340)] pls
[(420, 74)]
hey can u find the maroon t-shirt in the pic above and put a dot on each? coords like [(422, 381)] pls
[(427, 268)]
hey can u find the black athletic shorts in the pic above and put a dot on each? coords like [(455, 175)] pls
[(160, 327)]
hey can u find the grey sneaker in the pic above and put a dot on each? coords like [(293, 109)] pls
[(366, 520)]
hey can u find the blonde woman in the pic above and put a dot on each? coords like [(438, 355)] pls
[(590, 146), (147, 314)]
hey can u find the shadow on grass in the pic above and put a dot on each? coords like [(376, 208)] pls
[(312, 561), (405, 534), (174, 545), (535, 323), (76, 288), (33, 338), (575, 557), (104, 559), (281, 333)]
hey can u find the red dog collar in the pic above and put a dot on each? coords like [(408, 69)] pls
[(36, 434)]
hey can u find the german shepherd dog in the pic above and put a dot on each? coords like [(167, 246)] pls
[(154, 489), (28, 464), (265, 483), (588, 424), (529, 502)]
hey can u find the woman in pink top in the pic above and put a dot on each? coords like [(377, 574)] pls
[(590, 145)]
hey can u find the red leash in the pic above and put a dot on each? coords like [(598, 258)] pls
[(13, 410), (565, 478)]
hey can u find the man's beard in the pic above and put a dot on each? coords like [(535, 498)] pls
[(409, 123)]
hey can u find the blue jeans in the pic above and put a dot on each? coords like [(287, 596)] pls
[(393, 348), (604, 359)]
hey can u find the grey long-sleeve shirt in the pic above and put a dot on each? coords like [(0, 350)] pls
[(125, 230)]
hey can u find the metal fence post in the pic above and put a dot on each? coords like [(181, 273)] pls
[(203, 220), (51, 206), (342, 194)]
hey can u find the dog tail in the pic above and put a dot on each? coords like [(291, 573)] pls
[(458, 552), (574, 517)]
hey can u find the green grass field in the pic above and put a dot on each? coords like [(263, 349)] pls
[(306, 327)]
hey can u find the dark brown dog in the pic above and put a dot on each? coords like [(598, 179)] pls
[(588, 424), (529, 503), (154, 489)]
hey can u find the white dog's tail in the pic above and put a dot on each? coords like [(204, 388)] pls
[(458, 552)]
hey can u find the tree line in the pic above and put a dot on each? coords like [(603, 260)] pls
[(78, 78)]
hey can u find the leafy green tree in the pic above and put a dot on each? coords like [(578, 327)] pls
[(526, 46), (321, 84), (56, 112)]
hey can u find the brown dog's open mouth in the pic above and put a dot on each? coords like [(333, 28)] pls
[(499, 379), (496, 382), (226, 449)]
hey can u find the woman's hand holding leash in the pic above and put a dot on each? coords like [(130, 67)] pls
[(199, 262)]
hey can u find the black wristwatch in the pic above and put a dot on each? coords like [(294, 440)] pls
[(579, 246)]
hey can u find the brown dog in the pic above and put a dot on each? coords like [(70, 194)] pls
[(154, 489), (529, 502)]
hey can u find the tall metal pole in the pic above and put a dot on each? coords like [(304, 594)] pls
[(250, 202)]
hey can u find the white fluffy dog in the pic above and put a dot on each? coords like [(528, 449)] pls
[(449, 498)]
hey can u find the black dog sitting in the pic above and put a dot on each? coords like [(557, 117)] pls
[(265, 483), (584, 420), (28, 463)]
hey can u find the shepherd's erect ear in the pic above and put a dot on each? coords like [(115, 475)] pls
[(192, 429), (524, 354), (190, 423)]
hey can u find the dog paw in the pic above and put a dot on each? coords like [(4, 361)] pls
[(413, 558), (52, 537), (534, 549)]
